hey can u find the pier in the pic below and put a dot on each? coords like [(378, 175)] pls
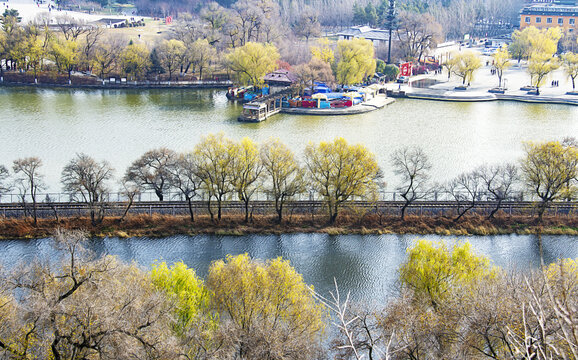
[(262, 108)]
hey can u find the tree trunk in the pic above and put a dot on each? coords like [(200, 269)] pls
[(246, 201), (219, 208), (160, 194), (190, 202), (403, 208)]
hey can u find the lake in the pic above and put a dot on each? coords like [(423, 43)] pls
[(120, 125)]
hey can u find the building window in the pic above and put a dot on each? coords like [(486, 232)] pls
[(548, 20), (527, 19), (538, 19), (572, 21), (560, 21)]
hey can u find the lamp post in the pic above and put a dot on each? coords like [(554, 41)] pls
[(505, 84)]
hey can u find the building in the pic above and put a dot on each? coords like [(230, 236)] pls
[(280, 78), (377, 36), (547, 15)]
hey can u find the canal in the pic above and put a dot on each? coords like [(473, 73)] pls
[(120, 125), (365, 265)]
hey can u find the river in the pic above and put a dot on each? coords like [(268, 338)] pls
[(365, 265), (120, 125)]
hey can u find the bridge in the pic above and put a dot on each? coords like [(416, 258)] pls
[(264, 107)]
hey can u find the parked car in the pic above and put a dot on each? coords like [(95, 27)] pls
[(403, 79)]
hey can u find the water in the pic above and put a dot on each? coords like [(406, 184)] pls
[(120, 125), (365, 265)]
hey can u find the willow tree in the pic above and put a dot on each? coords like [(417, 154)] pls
[(134, 60), (252, 61), (341, 172), (540, 65), (247, 168), (285, 178), (356, 61), (501, 63), (66, 55), (570, 61), (548, 170), (467, 63), (216, 156), (171, 54), (272, 313)]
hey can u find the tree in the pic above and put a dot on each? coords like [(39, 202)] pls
[(418, 34), (4, 175), (340, 172), (499, 182), (272, 312), (307, 25), (413, 166), (547, 168), (450, 65), (467, 63), (501, 62), (201, 55), (134, 60), (247, 168), (323, 51), (315, 70), (539, 66), (216, 157), (356, 61), (66, 55), (106, 57), (570, 61), (434, 272), (29, 178), (171, 53), (151, 171), (465, 190), (520, 48), (391, 24), (216, 16), (183, 176), (286, 178), (84, 308), (192, 298), (85, 179), (252, 61)]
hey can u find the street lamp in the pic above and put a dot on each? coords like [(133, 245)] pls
[(505, 84)]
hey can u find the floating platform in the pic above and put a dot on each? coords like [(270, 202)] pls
[(378, 102)]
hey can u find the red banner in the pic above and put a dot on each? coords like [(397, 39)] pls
[(168, 20), (405, 69)]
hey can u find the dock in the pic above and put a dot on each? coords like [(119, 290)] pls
[(263, 108), (378, 102)]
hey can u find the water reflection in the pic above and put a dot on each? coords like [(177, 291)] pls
[(364, 265)]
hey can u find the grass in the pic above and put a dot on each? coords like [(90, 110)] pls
[(165, 225)]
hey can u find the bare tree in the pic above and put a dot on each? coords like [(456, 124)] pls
[(70, 27), (4, 174), (412, 165), (183, 176), (85, 179), (500, 182), (130, 190), (85, 308), (466, 190), (151, 170), (29, 179)]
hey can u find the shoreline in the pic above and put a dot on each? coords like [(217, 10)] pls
[(157, 226), (116, 86)]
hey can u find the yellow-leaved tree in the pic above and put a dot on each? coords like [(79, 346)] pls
[(252, 61), (272, 312), (501, 63), (570, 61), (215, 156), (340, 172), (171, 54), (323, 51), (466, 64), (285, 178), (434, 272), (66, 55), (134, 60), (356, 61), (550, 170), (247, 168)]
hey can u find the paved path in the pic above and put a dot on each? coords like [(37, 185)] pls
[(30, 11), (515, 77)]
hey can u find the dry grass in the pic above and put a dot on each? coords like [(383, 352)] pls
[(165, 225)]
